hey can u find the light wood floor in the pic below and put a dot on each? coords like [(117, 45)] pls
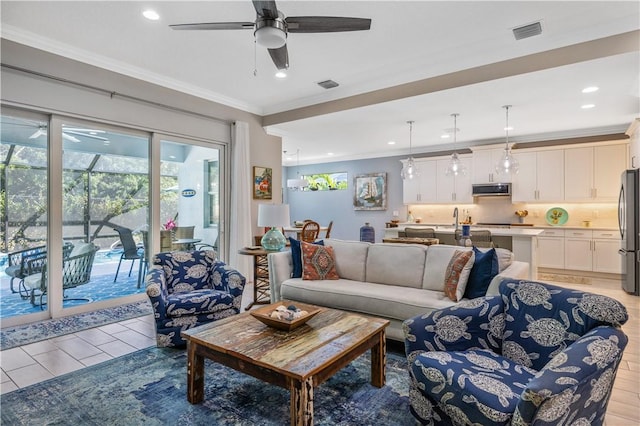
[(624, 405)]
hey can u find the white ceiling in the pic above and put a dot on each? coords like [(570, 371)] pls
[(408, 41)]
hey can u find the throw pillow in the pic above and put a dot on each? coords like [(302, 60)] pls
[(296, 256), (457, 274), (485, 267), (318, 262)]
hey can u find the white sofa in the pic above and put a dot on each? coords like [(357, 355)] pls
[(392, 281)]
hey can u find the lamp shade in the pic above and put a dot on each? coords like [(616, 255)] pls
[(273, 215)]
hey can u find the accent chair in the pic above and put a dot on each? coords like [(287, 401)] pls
[(188, 289), (534, 354)]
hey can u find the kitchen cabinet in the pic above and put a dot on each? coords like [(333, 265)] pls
[(541, 176), (595, 251), (453, 189), (551, 249), (484, 166), (422, 188), (593, 173)]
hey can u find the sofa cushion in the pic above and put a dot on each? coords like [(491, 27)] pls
[(485, 267), (435, 267), (318, 262), (296, 256), (396, 264), (505, 257), (457, 275), (371, 299), (350, 257)]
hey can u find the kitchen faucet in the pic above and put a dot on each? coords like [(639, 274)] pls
[(455, 214)]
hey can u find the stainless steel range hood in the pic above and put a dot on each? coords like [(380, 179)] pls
[(491, 190)]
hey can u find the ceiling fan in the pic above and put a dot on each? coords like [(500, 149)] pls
[(271, 28)]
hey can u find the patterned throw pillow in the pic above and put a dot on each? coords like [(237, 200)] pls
[(457, 274), (318, 262), (296, 256)]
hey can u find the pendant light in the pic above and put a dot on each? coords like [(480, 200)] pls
[(507, 163), (297, 184), (455, 166), (409, 170)]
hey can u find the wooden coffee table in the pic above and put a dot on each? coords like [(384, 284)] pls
[(298, 360)]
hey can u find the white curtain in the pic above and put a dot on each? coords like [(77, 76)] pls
[(240, 208)]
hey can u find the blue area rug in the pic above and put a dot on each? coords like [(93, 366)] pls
[(11, 337), (149, 387)]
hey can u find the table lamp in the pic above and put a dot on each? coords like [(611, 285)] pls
[(274, 216)]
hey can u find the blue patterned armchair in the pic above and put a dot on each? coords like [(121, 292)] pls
[(188, 289), (535, 354)]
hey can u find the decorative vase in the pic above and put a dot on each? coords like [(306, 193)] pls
[(521, 219), (273, 240), (368, 233)]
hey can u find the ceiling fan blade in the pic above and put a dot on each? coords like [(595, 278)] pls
[(215, 26), (326, 24), (38, 133), (70, 138), (266, 9), (280, 57)]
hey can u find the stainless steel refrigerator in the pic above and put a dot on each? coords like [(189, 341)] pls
[(629, 222)]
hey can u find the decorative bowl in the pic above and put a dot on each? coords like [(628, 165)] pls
[(557, 216), (264, 315)]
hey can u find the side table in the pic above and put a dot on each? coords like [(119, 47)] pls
[(261, 293)]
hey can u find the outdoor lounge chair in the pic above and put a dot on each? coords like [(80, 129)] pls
[(23, 263), (130, 251), (76, 270)]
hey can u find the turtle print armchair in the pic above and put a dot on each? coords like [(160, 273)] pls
[(187, 289), (535, 354)]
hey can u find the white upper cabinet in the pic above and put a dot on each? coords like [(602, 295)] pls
[(541, 176), (454, 189), (593, 173), (422, 188), (484, 166)]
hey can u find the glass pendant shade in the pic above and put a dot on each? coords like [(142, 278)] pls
[(455, 166), (409, 169), (507, 163)]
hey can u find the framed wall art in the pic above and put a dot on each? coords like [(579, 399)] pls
[(262, 183), (370, 191)]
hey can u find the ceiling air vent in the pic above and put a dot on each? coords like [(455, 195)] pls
[(527, 31), (328, 84)]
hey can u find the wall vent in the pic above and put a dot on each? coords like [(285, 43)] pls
[(527, 31), (328, 84)]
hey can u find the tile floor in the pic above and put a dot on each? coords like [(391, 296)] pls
[(36, 362)]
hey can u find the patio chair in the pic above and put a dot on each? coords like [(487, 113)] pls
[(23, 263), (533, 354), (188, 289), (76, 270), (130, 252)]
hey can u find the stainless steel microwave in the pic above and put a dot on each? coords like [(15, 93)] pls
[(491, 190)]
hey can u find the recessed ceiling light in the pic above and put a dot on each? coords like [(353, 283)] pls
[(445, 136), (151, 15), (391, 143), (281, 74), (588, 106), (329, 153), (590, 89), (508, 128)]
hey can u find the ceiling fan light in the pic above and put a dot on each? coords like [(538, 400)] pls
[(270, 37)]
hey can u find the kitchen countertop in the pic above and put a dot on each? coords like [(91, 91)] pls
[(440, 226)]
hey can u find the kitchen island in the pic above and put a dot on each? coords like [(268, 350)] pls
[(523, 240)]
